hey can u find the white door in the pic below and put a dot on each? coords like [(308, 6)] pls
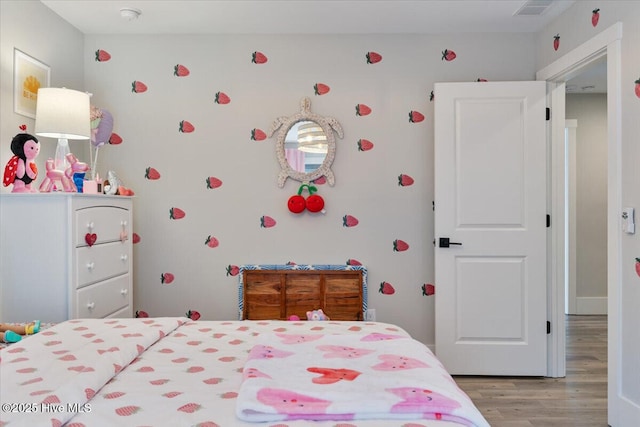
[(490, 202)]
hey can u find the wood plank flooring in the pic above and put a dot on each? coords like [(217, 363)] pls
[(579, 399)]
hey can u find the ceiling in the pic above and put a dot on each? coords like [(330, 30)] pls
[(306, 16), (320, 17), (591, 80)]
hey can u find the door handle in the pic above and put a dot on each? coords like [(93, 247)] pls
[(445, 242)]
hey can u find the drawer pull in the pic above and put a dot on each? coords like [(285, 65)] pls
[(123, 223), (91, 306), (91, 238), (90, 225), (124, 292), (124, 257), (91, 265)]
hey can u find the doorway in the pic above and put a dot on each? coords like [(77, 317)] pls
[(586, 191), (607, 43)]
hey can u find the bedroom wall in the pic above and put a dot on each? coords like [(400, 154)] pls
[(574, 27), (367, 182), (22, 25), (590, 110), (221, 146)]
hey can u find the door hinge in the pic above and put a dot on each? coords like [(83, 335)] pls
[(548, 220), (548, 327), (548, 113)]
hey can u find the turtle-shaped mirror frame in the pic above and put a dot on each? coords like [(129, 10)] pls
[(329, 126)]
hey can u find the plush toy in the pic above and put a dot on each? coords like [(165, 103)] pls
[(14, 333), (294, 318), (21, 169), (314, 203), (317, 315), (296, 203)]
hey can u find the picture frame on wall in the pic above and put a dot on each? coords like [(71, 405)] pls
[(29, 74)]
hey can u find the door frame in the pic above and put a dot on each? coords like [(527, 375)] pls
[(608, 43), (571, 305)]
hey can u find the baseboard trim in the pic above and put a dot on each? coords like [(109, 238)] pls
[(591, 305)]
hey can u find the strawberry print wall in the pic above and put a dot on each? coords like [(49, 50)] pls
[(577, 25), (193, 113)]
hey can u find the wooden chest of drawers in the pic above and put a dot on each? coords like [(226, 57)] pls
[(65, 256), (278, 294)]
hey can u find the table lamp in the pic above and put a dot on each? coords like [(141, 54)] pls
[(63, 114)]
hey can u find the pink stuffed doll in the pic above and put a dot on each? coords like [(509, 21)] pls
[(317, 315), (21, 169), (11, 333)]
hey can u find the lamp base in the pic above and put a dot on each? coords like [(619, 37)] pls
[(60, 160)]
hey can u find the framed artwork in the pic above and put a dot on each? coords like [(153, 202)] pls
[(29, 75)]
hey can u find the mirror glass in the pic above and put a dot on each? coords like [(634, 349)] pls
[(305, 146)]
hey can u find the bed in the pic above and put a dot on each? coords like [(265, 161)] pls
[(255, 371)]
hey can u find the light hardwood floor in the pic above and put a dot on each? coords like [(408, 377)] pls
[(579, 399)]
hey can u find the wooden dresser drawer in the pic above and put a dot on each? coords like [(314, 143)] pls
[(104, 298), (98, 262), (278, 294), (106, 222)]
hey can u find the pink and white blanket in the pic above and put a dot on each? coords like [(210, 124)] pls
[(50, 377), (348, 377), (178, 372)]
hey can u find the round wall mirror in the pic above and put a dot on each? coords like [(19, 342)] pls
[(306, 145)]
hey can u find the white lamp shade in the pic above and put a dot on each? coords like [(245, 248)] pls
[(63, 113)]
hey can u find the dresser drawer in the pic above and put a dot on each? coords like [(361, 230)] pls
[(98, 262), (123, 313), (106, 222), (104, 298)]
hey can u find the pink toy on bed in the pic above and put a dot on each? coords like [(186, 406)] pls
[(317, 315)]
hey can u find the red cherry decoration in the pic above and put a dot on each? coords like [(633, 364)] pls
[(315, 203), (296, 203)]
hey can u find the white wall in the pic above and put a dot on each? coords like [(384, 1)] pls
[(590, 110), (35, 30), (574, 27), (40, 33)]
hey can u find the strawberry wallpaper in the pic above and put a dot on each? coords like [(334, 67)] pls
[(191, 115), (193, 112)]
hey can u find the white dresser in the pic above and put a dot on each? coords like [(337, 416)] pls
[(65, 256)]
